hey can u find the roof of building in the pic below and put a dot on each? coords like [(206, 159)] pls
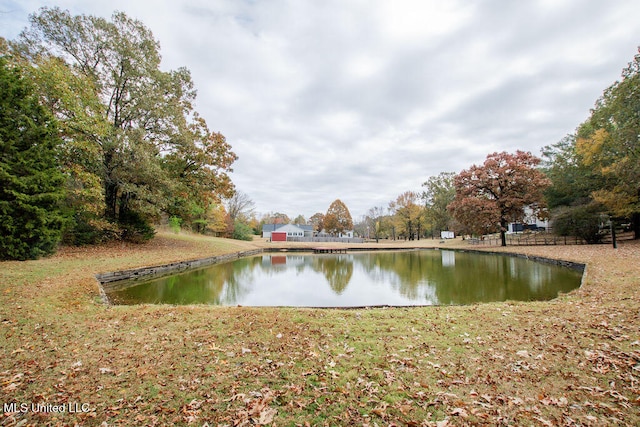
[(273, 227)]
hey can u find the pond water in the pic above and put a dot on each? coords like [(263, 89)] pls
[(401, 278)]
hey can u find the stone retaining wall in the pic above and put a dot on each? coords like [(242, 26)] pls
[(110, 280), (569, 264)]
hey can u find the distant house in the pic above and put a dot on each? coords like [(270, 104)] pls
[(531, 222), (347, 234), (288, 230), (303, 233)]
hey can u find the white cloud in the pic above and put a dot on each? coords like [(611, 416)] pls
[(363, 100)]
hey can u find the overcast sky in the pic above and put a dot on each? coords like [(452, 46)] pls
[(364, 100)]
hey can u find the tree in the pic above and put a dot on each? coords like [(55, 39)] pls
[(276, 218), (242, 231), (503, 186), (375, 217), (338, 219), (584, 221), (317, 220), (154, 153), (240, 206), (299, 220), (31, 185), (439, 192), (609, 143), (572, 182), (72, 100), (408, 214), (216, 220), (475, 216)]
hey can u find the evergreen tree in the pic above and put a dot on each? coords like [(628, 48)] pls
[(31, 186)]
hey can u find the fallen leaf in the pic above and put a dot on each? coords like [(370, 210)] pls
[(460, 412), (267, 415)]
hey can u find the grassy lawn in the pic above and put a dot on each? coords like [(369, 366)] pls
[(571, 361)]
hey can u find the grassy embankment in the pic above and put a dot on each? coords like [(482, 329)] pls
[(571, 361)]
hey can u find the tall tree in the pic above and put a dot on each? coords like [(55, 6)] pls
[(609, 142), (240, 206), (504, 184), (154, 146), (31, 185), (375, 217), (317, 220), (439, 192), (338, 218), (408, 214), (572, 181), (475, 216), (72, 100), (276, 218)]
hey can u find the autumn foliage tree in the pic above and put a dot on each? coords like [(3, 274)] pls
[(317, 221), (609, 144), (498, 191), (338, 218), (408, 214), (134, 147)]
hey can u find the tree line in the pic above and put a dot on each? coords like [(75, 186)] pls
[(99, 143), (585, 183)]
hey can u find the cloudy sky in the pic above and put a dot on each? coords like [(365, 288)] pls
[(363, 100)]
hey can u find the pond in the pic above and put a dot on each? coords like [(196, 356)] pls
[(396, 278)]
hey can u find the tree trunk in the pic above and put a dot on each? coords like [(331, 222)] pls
[(111, 199), (503, 233), (635, 225), (110, 187)]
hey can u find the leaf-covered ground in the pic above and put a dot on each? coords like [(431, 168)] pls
[(571, 361)]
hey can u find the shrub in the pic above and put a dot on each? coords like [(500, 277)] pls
[(584, 221), (175, 223), (242, 231), (135, 228)]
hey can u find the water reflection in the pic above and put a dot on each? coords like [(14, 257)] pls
[(425, 277)]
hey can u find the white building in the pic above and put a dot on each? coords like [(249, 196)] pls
[(530, 222), (292, 230)]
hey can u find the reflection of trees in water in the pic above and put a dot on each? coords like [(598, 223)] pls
[(417, 275), (220, 284), (483, 278), (405, 272), (338, 270), (467, 278)]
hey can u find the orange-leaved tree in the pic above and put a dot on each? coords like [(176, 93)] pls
[(338, 218), (500, 189)]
